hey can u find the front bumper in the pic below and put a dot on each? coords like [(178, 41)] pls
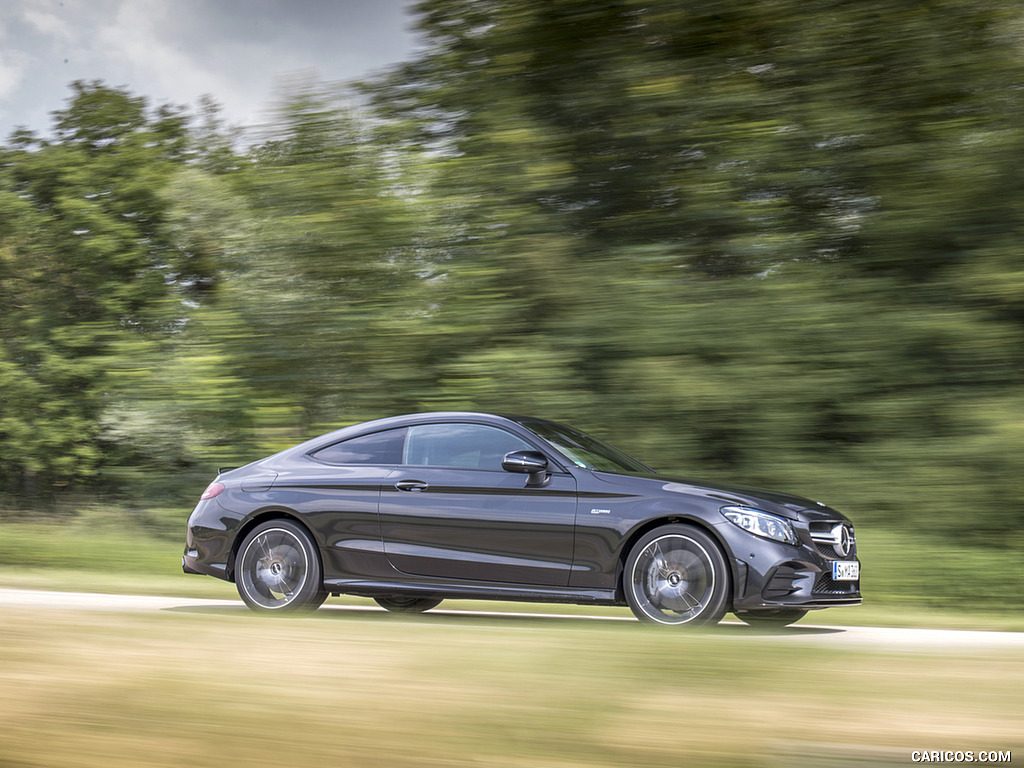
[(796, 584), (769, 574)]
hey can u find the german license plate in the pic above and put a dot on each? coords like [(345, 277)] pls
[(844, 570)]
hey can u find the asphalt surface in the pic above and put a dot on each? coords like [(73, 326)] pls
[(879, 638)]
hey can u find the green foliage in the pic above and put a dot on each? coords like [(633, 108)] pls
[(93, 275), (738, 238), (770, 242), (81, 263)]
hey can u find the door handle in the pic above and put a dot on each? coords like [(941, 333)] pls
[(414, 486)]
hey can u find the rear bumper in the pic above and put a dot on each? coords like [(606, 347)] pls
[(191, 563), (208, 542)]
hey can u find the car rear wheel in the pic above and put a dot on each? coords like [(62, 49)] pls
[(677, 574), (771, 617), (407, 604), (278, 569)]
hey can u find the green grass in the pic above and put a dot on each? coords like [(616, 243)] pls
[(906, 581), (363, 690), (213, 687)]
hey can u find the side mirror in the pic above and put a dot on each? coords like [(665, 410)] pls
[(532, 463)]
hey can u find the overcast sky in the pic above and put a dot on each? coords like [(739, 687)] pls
[(176, 50)]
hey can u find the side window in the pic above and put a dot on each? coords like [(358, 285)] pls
[(472, 446), (377, 448)]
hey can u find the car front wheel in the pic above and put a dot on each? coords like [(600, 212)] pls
[(677, 574), (278, 569)]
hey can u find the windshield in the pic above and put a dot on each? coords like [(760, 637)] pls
[(583, 450)]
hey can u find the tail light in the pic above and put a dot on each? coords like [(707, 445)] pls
[(212, 490)]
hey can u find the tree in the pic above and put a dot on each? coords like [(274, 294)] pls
[(769, 239), (85, 259), (338, 249)]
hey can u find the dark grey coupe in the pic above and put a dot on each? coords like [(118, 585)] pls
[(414, 509)]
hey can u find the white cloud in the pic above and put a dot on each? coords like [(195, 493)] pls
[(10, 76), (143, 40), (177, 50), (134, 43), (48, 23)]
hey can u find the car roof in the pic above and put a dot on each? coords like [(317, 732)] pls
[(404, 420)]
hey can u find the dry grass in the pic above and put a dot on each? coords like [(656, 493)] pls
[(355, 690)]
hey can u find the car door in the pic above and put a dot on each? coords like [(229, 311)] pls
[(451, 512)]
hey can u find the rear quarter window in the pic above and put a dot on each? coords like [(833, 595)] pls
[(377, 448)]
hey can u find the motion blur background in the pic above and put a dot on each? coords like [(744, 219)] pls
[(770, 242)]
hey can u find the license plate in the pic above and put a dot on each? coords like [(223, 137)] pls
[(845, 570)]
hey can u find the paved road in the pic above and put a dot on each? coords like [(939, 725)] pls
[(882, 638)]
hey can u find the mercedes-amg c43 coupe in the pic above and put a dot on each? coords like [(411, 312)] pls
[(412, 510)]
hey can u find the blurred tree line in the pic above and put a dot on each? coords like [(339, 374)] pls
[(778, 242)]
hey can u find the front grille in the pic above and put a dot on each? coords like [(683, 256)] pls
[(829, 536), (826, 585)]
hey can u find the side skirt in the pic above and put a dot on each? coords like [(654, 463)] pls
[(464, 591)]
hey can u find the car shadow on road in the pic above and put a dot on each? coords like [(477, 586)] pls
[(373, 614)]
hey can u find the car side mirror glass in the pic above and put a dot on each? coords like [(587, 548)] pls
[(532, 463)]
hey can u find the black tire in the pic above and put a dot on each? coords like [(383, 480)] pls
[(278, 569), (676, 575), (771, 617), (407, 604)]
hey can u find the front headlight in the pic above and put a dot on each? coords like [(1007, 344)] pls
[(760, 523)]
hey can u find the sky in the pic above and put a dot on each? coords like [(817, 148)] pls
[(174, 51)]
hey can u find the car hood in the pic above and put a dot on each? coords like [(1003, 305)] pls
[(784, 504)]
